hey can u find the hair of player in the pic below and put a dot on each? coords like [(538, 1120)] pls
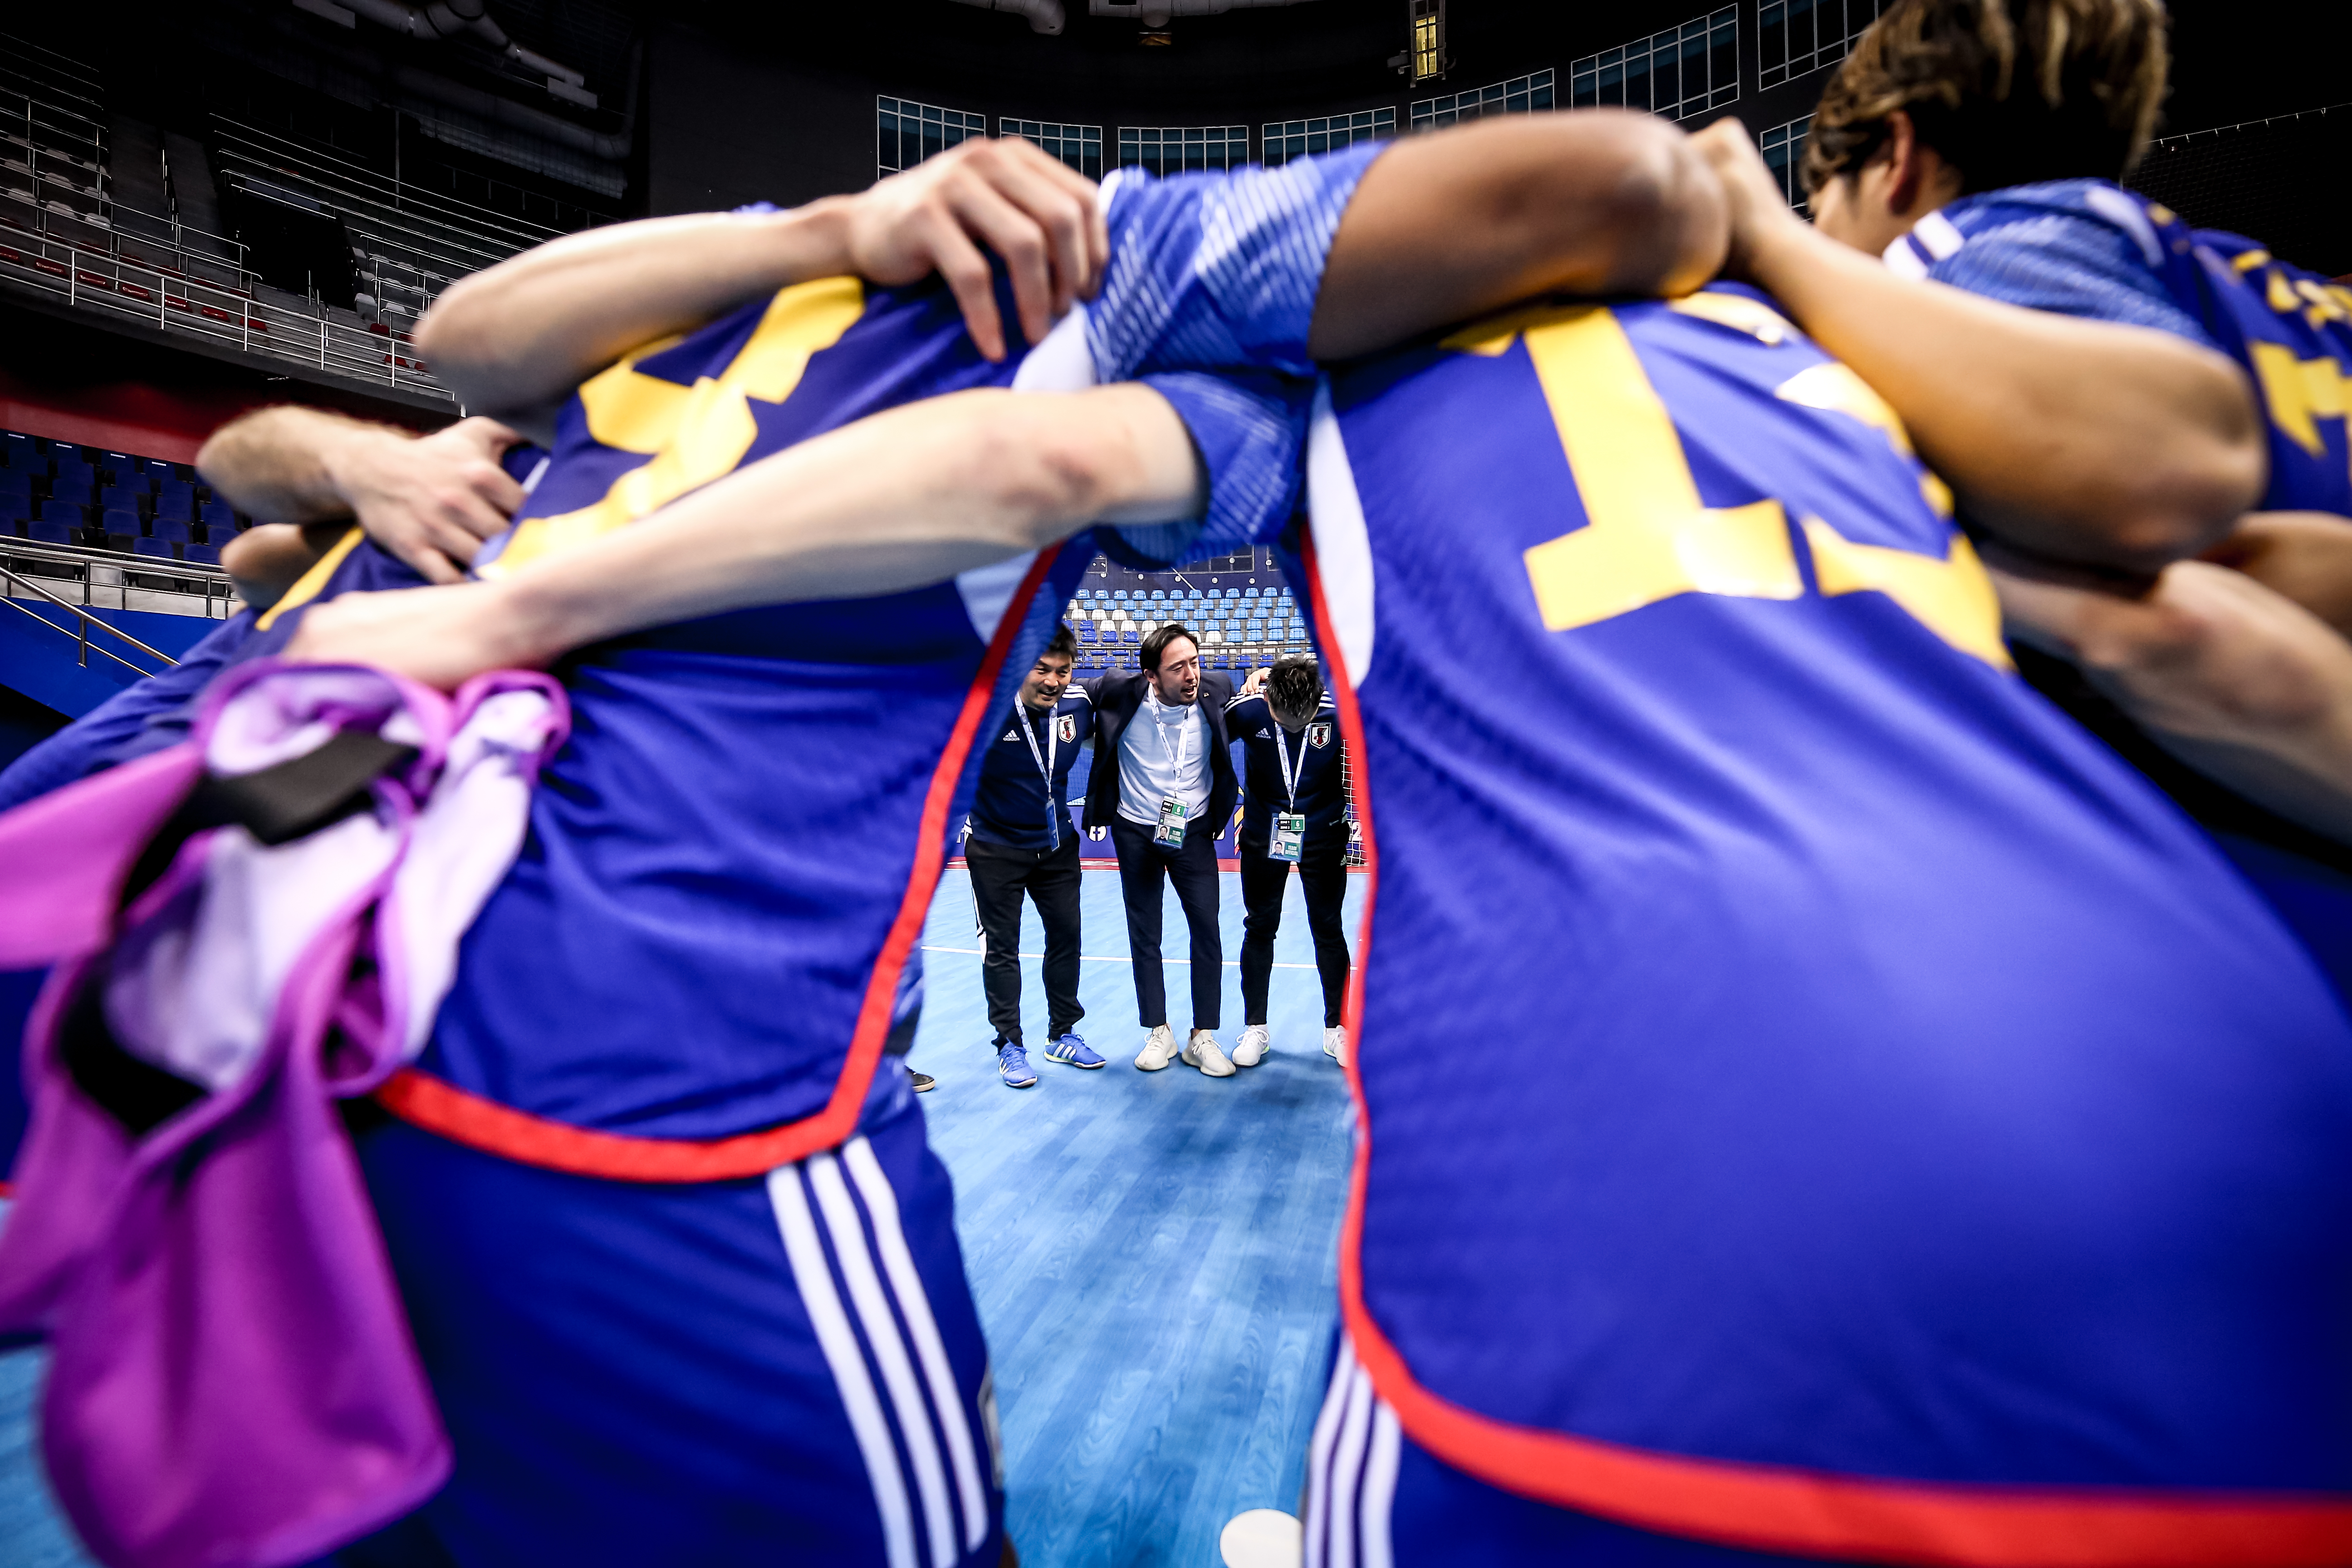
[(1156, 644), (2006, 91), (1294, 686), (1064, 643)]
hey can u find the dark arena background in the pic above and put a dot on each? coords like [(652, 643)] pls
[(214, 206)]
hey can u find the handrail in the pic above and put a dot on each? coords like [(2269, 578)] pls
[(82, 637)]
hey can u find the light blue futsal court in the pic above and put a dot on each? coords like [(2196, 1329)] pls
[(1155, 1254)]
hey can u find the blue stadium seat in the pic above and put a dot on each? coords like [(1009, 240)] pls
[(1130, 636), (207, 553), (1120, 597), (16, 486), (22, 455), (98, 539), (1085, 594), (158, 470), (1249, 593), (73, 487), (64, 511), (49, 533), (177, 498), (119, 498), (158, 547), (170, 528), (119, 520)]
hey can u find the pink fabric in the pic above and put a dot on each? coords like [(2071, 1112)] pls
[(233, 1381)]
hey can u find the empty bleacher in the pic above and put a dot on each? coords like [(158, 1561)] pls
[(112, 527), (1244, 613)]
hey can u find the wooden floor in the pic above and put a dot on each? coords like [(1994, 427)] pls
[(1153, 1253)]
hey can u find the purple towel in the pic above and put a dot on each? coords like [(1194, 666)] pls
[(233, 1380)]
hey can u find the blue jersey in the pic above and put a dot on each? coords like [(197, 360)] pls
[(1303, 772), (1014, 803), (710, 931), (1878, 1114), (2087, 248)]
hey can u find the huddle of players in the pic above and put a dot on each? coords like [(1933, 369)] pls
[(1865, 1122), (1019, 842)]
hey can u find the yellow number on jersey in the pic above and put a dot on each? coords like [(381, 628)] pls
[(1649, 537), (696, 434)]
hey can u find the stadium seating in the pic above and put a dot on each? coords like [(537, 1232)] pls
[(172, 529), (119, 520), (47, 532), (208, 554), (176, 498), (157, 547), (63, 512), (215, 513)]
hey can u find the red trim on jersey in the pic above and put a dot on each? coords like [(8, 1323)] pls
[(1773, 1508), (441, 1107)]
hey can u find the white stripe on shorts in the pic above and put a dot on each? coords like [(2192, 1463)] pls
[(898, 1262), (1347, 1468), (1319, 1452), (1380, 1489), (1351, 1473), (889, 1349), (839, 1343)]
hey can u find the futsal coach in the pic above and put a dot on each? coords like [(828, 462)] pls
[(1163, 783), (1295, 814), (1021, 842)]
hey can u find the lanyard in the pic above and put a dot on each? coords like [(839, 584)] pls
[(1183, 739), (1289, 774), (1046, 762), (1053, 742)]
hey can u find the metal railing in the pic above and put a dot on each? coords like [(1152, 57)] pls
[(205, 591), (179, 304), (80, 632)]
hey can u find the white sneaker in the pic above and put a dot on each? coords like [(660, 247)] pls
[(1201, 1052), (1335, 1043), (1251, 1049), (1158, 1049)]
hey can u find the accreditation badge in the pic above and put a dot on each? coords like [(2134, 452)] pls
[(1289, 836), (1172, 813)]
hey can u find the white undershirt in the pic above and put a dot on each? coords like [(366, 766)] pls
[(1164, 752)]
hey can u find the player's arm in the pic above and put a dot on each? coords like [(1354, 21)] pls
[(1446, 228), (2238, 681), (428, 500), (907, 497), (2083, 441), (516, 337)]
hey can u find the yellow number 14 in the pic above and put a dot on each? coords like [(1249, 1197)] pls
[(1649, 537)]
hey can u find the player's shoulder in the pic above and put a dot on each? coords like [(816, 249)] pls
[(2047, 213), (1075, 697)]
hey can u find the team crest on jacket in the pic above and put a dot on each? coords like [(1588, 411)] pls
[(1065, 729), (1318, 734)]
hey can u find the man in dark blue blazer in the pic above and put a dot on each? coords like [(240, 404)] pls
[(1162, 783)]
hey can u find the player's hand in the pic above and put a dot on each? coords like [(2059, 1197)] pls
[(1759, 213), (1007, 196), (430, 501), (2305, 555), (437, 636), (2203, 653)]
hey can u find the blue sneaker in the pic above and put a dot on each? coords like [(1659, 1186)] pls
[(1013, 1067), (1072, 1052)]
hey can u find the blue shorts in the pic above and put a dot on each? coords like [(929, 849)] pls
[(1375, 1499), (787, 1370)]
